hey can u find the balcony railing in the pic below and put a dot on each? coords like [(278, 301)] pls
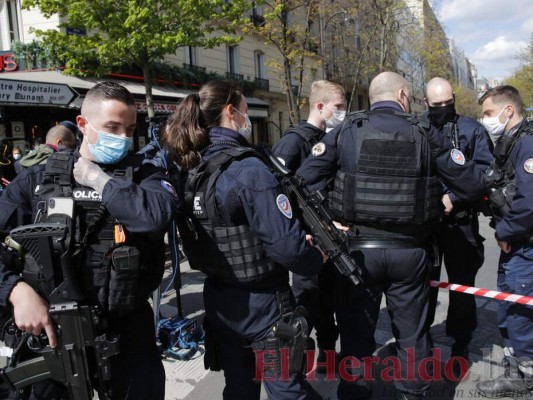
[(262, 84), (233, 75), (193, 68)]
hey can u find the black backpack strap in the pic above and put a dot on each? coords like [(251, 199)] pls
[(300, 132), (206, 174)]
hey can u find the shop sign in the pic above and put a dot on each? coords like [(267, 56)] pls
[(8, 62), (12, 91), (163, 108)]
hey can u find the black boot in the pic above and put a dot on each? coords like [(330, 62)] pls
[(510, 384), (460, 349)]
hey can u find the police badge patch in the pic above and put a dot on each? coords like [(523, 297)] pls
[(318, 149), (458, 157), (284, 206), (528, 165), (169, 188)]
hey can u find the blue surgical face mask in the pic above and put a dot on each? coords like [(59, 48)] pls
[(109, 148)]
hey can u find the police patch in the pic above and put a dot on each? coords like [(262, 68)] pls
[(169, 188), (284, 206), (458, 157), (281, 160), (318, 149), (528, 165)]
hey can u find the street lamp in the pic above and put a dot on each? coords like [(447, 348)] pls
[(323, 27)]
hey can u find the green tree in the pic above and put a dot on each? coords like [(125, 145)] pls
[(287, 25), (522, 79), (139, 32), (466, 101)]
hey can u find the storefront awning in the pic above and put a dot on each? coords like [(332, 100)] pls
[(77, 83), (165, 96), (257, 112)]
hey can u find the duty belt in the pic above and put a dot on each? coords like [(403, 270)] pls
[(356, 244)]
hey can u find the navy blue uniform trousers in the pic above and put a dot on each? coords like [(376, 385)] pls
[(236, 318), (461, 248), (315, 293), (402, 275)]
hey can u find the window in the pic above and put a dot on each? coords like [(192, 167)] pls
[(257, 15), (360, 105), (233, 60), (190, 55), (12, 9), (261, 81), (260, 71)]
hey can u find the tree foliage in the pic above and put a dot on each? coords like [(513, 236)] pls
[(287, 26), (466, 101), (522, 79), (383, 35), (138, 32)]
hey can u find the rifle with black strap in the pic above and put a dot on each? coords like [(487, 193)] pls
[(81, 357), (317, 219)]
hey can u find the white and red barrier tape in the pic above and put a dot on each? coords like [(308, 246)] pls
[(492, 294)]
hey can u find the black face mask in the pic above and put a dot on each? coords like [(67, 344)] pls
[(441, 115)]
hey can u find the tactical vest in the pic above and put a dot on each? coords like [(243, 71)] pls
[(500, 176), (113, 273), (229, 254), (392, 184)]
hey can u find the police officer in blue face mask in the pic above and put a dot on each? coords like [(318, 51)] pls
[(383, 168), (510, 180), (119, 210), (240, 230)]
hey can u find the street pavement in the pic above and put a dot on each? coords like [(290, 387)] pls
[(188, 379)]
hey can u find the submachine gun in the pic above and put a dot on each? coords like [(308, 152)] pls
[(81, 358), (317, 219)]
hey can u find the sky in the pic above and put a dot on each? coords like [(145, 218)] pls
[(490, 32)]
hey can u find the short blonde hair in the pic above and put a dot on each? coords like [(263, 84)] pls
[(323, 91)]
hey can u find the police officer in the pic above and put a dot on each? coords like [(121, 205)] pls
[(383, 166), (121, 209), (511, 182), (459, 241), (327, 109), (241, 232)]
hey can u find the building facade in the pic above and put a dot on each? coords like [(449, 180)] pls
[(250, 62)]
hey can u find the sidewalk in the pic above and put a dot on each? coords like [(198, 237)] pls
[(189, 380)]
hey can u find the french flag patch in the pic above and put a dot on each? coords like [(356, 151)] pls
[(284, 206)]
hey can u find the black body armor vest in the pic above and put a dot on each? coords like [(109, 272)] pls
[(107, 258), (391, 183), (500, 176), (229, 254)]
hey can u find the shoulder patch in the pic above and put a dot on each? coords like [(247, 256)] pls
[(318, 149), (458, 157), (168, 187), (281, 160), (528, 165), (284, 205)]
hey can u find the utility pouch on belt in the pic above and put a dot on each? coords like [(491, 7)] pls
[(294, 335), (124, 280)]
